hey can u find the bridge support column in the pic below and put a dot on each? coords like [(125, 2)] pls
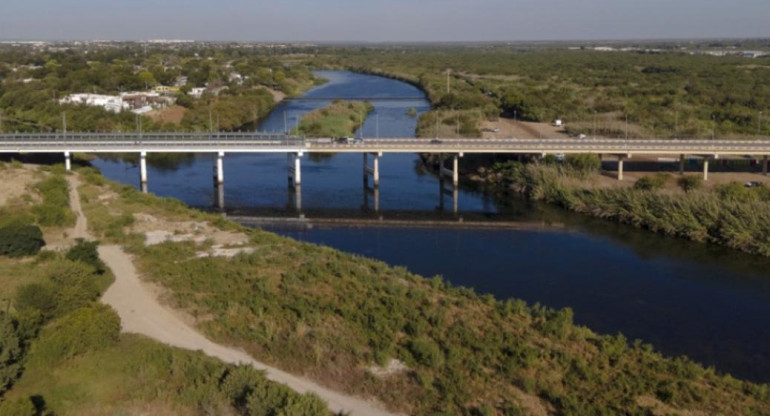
[(295, 168), (220, 168), (681, 164), (705, 168), (143, 171), (455, 171), (374, 170), (67, 161), (764, 165), (620, 167)]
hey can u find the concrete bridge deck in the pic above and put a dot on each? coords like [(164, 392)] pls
[(264, 143)]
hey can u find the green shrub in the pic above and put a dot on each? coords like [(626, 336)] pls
[(10, 352), (652, 183), (87, 329), (18, 407), (54, 211), (583, 164), (18, 240), (37, 297), (689, 182), (63, 287), (86, 252), (426, 352)]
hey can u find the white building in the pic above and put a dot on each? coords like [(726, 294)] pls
[(108, 102)]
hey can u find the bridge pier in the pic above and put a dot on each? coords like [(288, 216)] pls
[(219, 194), (374, 170), (67, 161), (620, 167), (764, 165), (143, 171), (220, 178), (295, 168), (705, 169), (455, 172)]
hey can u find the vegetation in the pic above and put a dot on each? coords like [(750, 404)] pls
[(33, 81), (652, 182), (731, 215), (338, 119), (19, 240), (663, 94), (54, 210), (334, 316)]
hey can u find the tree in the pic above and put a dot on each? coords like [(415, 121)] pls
[(11, 352)]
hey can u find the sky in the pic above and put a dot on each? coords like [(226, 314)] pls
[(382, 20)]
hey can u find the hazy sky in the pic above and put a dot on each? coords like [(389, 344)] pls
[(382, 20)]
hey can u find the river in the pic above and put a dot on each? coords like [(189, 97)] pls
[(709, 303)]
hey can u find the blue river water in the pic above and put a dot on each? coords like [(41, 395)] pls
[(708, 303)]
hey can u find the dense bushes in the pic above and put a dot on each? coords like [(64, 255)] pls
[(651, 182), (63, 286), (19, 240), (689, 183), (11, 352), (583, 164), (54, 210), (86, 329), (731, 215)]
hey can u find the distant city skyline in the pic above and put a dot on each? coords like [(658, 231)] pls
[(383, 21)]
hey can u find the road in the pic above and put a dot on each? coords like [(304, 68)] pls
[(261, 143)]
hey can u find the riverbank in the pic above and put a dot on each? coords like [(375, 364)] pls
[(727, 214), (418, 345)]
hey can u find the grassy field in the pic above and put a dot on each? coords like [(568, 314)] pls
[(338, 119), (344, 320)]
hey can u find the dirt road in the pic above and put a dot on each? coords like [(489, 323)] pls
[(141, 313)]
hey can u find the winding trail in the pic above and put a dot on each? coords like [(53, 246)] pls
[(141, 313)]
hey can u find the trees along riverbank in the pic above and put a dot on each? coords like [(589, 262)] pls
[(731, 214), (61, 352), (338, 119), (419, 345), (664, 94)]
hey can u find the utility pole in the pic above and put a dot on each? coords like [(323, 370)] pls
[(64, 122), (458, 123), (676, 124), (211, 122), (437, 124), (759, 124), (626, 126), (594, 130), (713, 126)]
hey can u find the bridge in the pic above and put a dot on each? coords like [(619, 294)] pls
[(295, 147)]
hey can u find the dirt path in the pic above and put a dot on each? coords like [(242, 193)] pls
[(141, 313), (81, 222)]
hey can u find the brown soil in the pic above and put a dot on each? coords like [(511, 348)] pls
[(15, 183), (521, 130), (173, 114)]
